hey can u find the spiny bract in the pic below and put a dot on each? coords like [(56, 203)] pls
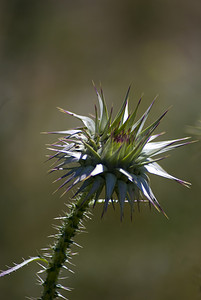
[(114, 155)]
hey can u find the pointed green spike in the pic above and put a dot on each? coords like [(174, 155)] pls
[(97, 184), (95, 154), (133, 192), (156, 169), (98, 193), (119, 118), (130, 120), (142, 142), (161, 147), (110, 184), (104, 102), (88, 122), (103, 110), (122, 151), (132, 195), (107, 130), (85, 184), (146, 190), (133, 116), (96, 121), (136, 150), (140, 123), (150, 127), (89, 140), (143, 161), (81, 177), (125, 115), (115, 156), (108, 148), (122, 191)]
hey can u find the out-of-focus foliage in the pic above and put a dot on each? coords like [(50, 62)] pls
[(49, 53)]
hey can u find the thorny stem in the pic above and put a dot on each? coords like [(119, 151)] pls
[(67, 232)]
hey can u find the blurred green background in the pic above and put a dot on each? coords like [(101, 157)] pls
[(49, 53)]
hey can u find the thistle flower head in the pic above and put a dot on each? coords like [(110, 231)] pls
[(114, 155)]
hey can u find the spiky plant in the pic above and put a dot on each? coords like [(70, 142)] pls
[(113, 155)]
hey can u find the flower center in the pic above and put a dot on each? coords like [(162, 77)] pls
[(123, 137)]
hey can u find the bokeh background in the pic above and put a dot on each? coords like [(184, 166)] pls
[(50, 51)]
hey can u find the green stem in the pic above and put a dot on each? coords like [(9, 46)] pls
[(60, 251)]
